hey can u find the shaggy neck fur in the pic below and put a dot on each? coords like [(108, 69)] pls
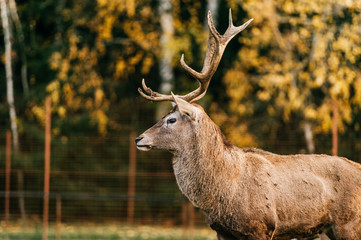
[(198, 168)]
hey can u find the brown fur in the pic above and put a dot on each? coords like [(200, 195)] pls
[(253, 194)]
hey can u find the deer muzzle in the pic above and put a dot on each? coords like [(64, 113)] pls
[(142, 143)]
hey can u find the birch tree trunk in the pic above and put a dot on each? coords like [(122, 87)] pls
[(9, 75), (19, 30), (212, 5), (165, 66), (309, 138)]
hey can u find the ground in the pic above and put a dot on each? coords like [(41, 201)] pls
[(106, 231)]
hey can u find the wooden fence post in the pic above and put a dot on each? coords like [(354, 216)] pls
[(7, 177), (58, 217), (188, 220), (47, 166), (184, 219), (131, 177), (191, 220), (334, 127), (20, 178)]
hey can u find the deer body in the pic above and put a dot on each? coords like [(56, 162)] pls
[(249, 193), (254, 194)]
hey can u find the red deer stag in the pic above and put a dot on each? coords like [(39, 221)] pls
[(249, 193)]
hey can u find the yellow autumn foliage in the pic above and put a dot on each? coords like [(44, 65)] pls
[(80, 84), (101, 119), (295, 57), (296, 52)]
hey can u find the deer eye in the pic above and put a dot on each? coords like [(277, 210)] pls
[(171, 120)]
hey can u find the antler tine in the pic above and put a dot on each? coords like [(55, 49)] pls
[(152, 95), (190, 70), (232, 30), (212, 28), (230, 21)]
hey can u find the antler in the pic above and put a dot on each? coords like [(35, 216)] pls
[(216, 45)]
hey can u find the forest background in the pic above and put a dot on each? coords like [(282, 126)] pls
[(275, 88)]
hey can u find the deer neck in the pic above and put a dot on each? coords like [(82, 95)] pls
[(197, 165)]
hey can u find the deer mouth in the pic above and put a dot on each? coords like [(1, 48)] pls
[(144, 147)]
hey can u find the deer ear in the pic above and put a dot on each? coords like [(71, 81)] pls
[(184, 107)]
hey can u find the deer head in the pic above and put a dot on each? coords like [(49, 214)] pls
[(176, 127), (179, 124)]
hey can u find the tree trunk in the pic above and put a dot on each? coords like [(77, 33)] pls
[(165, 66), (59, 24), (309, 138), (9, 75), (22, 52)]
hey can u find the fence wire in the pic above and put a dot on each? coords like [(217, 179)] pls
[(89, 181)]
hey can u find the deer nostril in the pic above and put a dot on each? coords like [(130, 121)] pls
[(138, 139)]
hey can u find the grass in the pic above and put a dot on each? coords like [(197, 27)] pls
[(107, 231)]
